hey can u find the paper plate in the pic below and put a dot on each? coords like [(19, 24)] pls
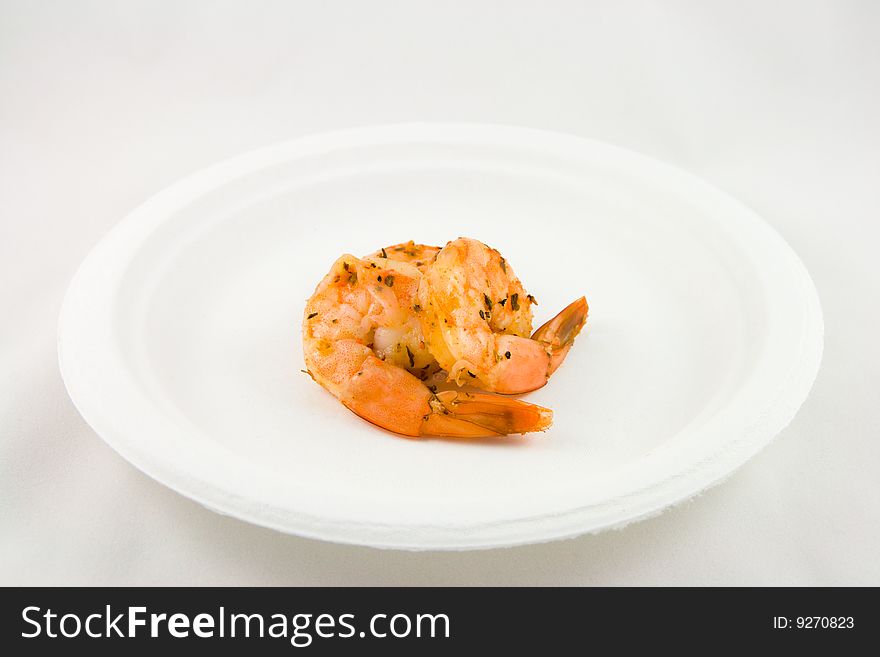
[(179, 339)]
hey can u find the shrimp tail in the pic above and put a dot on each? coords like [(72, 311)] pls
[(394, 399), (558, 334), (478, 414)]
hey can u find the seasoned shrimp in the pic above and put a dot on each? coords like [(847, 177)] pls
[(476, 318), (362, 341)]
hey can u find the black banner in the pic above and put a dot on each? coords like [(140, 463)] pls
[(431, 621)]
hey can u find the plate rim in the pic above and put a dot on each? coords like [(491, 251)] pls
[(541, 528)]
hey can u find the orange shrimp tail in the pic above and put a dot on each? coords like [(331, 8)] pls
[(478, 414), (559, 333), (392, 398)]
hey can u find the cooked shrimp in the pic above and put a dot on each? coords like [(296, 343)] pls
[(362, 341), (476, 318)]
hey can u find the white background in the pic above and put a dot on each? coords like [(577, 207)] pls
[(102, 104)]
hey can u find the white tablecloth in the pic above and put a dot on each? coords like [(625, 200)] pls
[(102, 104)]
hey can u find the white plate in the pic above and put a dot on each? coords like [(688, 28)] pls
[(179, 339)]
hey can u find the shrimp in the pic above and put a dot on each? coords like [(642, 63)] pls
[(362, 341), (476, 318)]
